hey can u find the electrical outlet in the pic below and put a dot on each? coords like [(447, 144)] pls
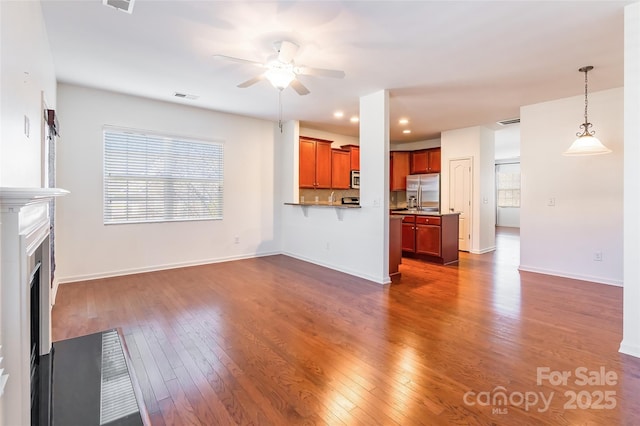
[(597, 256), (236, 240)]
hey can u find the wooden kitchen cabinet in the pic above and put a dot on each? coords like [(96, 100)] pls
[(425, 161), (395, 247), (340, 169), (431, 238), (354, 156), (428, 235), (409, 233), (399, 169), (315, 163)]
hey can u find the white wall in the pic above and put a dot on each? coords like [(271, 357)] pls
[(414, 146), (478, 144), (354, 241), (27, 71), (587, 191), (507, 142), (89, 249), (631, 321), (26, 76), (338, 140)]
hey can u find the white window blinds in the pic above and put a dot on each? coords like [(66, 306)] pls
[(508, 185), (153, 178)]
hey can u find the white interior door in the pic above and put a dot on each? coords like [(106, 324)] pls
[(460, 187)]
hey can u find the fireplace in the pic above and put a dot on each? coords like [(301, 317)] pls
[(26, 300), (34, 342)]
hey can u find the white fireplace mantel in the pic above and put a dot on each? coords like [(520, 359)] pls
[(24, 231)]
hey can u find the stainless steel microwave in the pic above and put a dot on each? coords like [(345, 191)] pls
[(355, 179)]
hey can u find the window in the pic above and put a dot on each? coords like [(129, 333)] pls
[(153, 178), (508, 185)]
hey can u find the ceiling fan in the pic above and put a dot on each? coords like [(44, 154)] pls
[(281, 70)]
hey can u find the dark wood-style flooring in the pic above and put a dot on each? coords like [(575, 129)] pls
[(277, 341)]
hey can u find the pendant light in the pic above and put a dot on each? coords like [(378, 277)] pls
[(587, 143)]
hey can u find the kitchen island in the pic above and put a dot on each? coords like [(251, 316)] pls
[(429, 235)]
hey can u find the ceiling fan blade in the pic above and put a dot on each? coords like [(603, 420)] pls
[(286, 51), (239, 60), (319, 72), (299, 87), (251, 81)]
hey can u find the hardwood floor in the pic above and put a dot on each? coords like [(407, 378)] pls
[(277, 341)]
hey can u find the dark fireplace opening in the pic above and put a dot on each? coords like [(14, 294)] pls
[(34, 286), (40, 365)]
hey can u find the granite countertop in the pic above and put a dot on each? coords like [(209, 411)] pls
[(406, 212), (335, 205)]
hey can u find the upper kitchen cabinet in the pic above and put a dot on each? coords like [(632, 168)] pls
[(399, 169), (315, 163), (425, 161), (354, 156), (340, 169)]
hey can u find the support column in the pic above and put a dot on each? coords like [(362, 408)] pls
[(374, 171), (631, 318)]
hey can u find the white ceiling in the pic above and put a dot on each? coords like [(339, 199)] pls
[(447, 64)]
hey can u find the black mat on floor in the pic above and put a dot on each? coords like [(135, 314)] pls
[(91, 382)]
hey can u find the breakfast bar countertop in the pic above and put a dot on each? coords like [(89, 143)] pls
[(420, 212)]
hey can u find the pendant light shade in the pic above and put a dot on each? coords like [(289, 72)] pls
[(587, 143)]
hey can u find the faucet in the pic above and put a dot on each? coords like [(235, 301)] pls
[(331, 197)]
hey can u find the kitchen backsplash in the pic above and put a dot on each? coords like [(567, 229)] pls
[(309, 195), (397, 199)]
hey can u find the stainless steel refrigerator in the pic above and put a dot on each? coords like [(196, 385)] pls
[(424, 191)]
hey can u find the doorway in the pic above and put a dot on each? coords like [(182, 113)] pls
[(508, 194)]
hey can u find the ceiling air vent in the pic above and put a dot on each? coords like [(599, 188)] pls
[(509, 121), (185, 96), (123, 5)]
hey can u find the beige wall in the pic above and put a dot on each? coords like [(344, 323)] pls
[(89, 249), (586, 191)]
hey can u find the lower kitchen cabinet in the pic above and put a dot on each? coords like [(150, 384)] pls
[(428, 238), (431, 238), (408, 234), (395, 247)]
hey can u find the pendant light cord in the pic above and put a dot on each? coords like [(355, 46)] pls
[(586, 125), (280, 110), (586, 102)]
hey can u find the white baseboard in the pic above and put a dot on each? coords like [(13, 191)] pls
[(630, 349), (109, 274), (54, 290), (367, 277), (483, 251), (590, 278)]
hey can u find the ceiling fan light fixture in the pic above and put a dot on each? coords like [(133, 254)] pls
[(587, 143), (280, 76)]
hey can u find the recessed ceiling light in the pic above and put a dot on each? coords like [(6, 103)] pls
[(403, 121), (354, 119), (406, 131), (338, 114)]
